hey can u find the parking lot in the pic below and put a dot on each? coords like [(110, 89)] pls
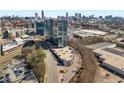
[(17, 71)]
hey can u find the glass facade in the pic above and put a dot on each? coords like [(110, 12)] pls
[(40, 28), (57, 32)]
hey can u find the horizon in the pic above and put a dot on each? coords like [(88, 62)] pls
[(55, 13)]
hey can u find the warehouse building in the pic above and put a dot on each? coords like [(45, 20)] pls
[(111, 58), (101, 45), (95, 32), (120, 42), (88, 33)]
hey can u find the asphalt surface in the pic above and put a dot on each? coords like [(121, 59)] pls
[(52, 74), (51, 68)]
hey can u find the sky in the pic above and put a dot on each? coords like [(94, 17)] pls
[(53, 8), (55, 13)]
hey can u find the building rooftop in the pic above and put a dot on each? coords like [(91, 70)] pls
[(87, 33), (100, 45), (1, 42), (120, 39), (25, 36), (18, 41), (96, 32), (65, 53), (9, 46), (113, 56), (83, 34), (114, 51)]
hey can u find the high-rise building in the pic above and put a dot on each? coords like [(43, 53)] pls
[(78, 16), (49, 28), (108, 17), (100, 17), (36, 16), (40, 28), (57, 31), (62, 33), (42, 14), (67, 16)]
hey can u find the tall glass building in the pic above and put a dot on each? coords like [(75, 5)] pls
[(56, 30), (40, 28), (49, 28)]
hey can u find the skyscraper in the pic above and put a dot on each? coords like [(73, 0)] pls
[(56, 30), (66, 15), (36, 14), (42, 14), (49, 28), (62, 33), (40, 28), (78, 16), (36, 17)]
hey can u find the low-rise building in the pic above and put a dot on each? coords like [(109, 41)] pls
[(88, 33), (111, 58), (65, 54), (9, 45), (101, 45), (120, 42)]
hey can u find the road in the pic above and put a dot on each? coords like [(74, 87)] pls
[(52, 72), (51, 68)]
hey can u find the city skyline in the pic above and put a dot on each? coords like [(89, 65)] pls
[(55, 13)]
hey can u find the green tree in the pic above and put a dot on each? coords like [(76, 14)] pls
[(10, 35), (35, 58), (41, 55)]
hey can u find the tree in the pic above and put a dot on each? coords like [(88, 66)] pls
[(41, 54), (35, 58), (10, 35)]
